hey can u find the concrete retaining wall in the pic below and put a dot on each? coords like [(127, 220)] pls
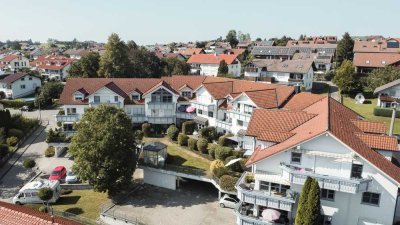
[(115, 221), (76, 186), (159, 179)]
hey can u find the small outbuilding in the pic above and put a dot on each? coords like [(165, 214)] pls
[(155, 154)]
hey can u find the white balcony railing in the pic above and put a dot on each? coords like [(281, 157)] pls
[(67, 118), (224, 125), (161, 119), (257, 197), (348, 185), (203, 106), (185, 115), (95, 104), (250, 220), (161, 105), (138, 118)]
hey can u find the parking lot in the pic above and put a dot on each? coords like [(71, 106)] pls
[(195, 203)]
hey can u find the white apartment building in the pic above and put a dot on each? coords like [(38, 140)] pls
[(388, 94), (18, 85), (13, 63), (316, 136), (53, 67), (208, 64)]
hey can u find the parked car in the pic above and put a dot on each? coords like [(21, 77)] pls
[(227, 201), (71, 177), (29, 193), (59, 173), (26, 108)]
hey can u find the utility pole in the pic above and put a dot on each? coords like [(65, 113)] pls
[(394, 106)]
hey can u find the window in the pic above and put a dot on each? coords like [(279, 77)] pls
[(370, 198), (78, 97), (356, 171), (248, 109), (199, 111), (275, 187), (135, 97), (115, 98), (240, 122), (22, 86), (210, 114), (161, 95), (71, 111), (22, 79), (296, 158), (327, 194), (96, 99), (264, 185), (30, 78), (28, 194), (186, 93)]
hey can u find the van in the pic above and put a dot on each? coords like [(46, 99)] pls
[(29, 193)]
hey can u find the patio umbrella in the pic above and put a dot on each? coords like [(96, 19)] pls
[(233, 161), (270, 214), (190, 109)]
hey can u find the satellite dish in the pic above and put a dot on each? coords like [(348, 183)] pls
[(360, 98)]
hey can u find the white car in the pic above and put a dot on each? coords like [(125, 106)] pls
[(227, 201), (71, 177)]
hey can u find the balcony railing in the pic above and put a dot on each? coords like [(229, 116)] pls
[(291, 80), (161, 119), (251, 69), (184, 115), (138, 118), (246, 194), (203, 106), (95, 104), (348, 185), (226, 125), (161, 105), (67, 118), (250, 220)]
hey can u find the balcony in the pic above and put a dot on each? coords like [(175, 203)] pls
[(226, 125), (249, 195), (67, 118), (295, 81), (251, 69), (203, 106), (138, 118), (161, 119), (298, 175), (184, 115), (249, 219), (95, 104), (161, 105)]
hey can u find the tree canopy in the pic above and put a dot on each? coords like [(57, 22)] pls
[(381, 76), (346, 79), (281, 41), (86, 67), (223, 68), (231, 37), (174, 66), (313, 210), (49, 91), (104, 149), (45, 194), (144, 64), (344, 50), (302, 206)]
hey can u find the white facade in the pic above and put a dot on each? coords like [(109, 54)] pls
[(212, 69), (56, 74), (305, 79), (393, 93), (22, 87), (328, 159), (18, 63)]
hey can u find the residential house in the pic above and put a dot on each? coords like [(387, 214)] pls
[(18, 85), (388, 94), (323, 61), (171, 55), (13, 63), (265, 43), (53, 66), (76, 53), (318, 137), (208, 64), (278, 52), (256, 69), (191, 51), (245, 44)]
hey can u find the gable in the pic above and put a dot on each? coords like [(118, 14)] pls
[(104, 91)]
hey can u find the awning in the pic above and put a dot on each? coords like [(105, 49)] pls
[(201, 120), (273, 178), (234, 138), (233, 161)]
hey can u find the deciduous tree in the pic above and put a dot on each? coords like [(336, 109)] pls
[(144, 64), (223, 68), (174, 66), (346, 79), (104, 149), (381, 76), (231, 37), (49, 91), (86, 67)]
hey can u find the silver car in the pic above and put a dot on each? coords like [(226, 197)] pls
[(227, 201), (71, 177)]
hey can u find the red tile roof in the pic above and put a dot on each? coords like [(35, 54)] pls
[(266, 99), (212, 59), (12, 77), (192, 51), (381, 142), (302, 101), (8, 58), (376, 60), (274, 136), (11, 214), (370, 127), (373, 47)]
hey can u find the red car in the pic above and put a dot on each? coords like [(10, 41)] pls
[(59, 173)]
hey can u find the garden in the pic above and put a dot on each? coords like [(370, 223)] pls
[(208, 153)]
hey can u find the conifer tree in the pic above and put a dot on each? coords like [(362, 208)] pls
[(302, 206)]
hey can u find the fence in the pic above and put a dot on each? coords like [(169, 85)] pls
[(74, 217)]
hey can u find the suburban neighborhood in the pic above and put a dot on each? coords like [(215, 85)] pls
[(157, 123)]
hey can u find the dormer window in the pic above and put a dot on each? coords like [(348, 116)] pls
[(186, 93), (383, 62), (78, 97), (115, 98), (135, 97), (367, 62)]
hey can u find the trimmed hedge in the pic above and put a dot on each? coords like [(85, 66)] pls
[(223, 140), (219, 172), (228, 182), (29, 163), (222, 153), (249, 178), (385, 112), (146, 129), (202, 145), (209, 133), (173, 132), (12, 141), (183, 139), (192, 144), (15, 132), (16, 104), (188, 127), (50, 152), (216, 164), (211, 149)]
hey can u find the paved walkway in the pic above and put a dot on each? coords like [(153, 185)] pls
[(334, 91)]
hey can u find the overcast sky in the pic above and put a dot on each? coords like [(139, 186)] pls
[(162, 21)]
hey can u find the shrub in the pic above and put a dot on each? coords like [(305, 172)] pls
[(243, 164), (188, 127), (183, 139), (12, 141), (15, 103), (139, 134), (2, 135), (222, 153), (236, 167), (4, 149), (192, 144), (50, 151), (329, 75), (385, 112), (173, 132), (211, 149), (208, 132), (219, 172), (45, 194), (202, 145), (43, 209), (216, 164), (59, 124), (29, 163), (146, 129), (223, 140), (249, 178), (15, 132), (236, 153), (229, 158), (228, 182)]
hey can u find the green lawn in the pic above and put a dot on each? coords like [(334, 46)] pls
[(85, 203), (367, 111)]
